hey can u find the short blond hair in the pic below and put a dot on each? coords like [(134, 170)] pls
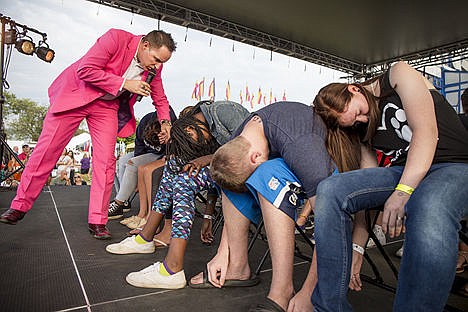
[(230, 167)]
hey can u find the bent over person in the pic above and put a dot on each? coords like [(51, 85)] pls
[(101, 87), (299, 138)]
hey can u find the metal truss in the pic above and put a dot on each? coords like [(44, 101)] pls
[(172, 13)]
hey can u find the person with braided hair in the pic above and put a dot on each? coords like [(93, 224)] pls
[(194, 137)]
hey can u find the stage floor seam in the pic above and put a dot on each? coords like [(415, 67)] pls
[(85, 295)]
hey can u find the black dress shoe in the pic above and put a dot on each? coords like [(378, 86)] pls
[(11, 216), (99, 231)]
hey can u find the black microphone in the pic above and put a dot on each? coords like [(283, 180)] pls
[(149, 78)]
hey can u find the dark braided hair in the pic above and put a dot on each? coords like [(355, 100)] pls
[(182, 146), (150, 134)]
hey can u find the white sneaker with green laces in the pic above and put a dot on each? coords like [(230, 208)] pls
[(150, 277), (130, 246)]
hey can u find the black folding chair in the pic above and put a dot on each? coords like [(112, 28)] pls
[(377, 280)]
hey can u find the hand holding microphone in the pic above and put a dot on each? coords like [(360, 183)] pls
[(142, 88), (149, 78)]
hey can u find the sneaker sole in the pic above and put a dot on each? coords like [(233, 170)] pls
[(142, 285), (119, 252)]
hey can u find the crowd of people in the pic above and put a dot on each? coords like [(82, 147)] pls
[(265, 164), (67, 171)]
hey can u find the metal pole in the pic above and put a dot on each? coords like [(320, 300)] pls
[(3, 144)]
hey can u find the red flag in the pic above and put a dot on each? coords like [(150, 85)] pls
[(284, 95)]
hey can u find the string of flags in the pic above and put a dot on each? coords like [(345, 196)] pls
[(247, 98)]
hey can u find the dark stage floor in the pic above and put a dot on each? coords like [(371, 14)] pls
[(49, 262)]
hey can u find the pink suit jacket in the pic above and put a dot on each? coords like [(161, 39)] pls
[(100, 71)]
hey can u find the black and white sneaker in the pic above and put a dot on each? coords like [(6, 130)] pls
[(115, 210), (126, 206)]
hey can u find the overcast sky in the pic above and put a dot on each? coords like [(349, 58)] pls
[(72, 26)]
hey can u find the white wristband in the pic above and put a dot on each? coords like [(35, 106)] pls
[(358, 249), (210, 217)]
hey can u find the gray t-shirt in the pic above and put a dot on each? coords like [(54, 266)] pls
[(297, 135)]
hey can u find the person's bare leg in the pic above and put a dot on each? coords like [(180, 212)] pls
[(301, 301), (280, 232), (148, 177), (233, 244), (151, 225), (175, 256), (142, 190), (165, 235)]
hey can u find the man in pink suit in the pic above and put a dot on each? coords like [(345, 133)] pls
[(102, 87)]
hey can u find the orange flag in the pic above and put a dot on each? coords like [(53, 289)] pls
[(259, 100), (228, 91), (201, 89), (211, 90)]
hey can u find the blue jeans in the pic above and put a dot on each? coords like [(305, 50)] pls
[(433, 215)]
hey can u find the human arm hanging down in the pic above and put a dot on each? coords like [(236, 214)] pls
[(420, 113)]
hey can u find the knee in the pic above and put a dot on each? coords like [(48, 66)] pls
[(131, 168)]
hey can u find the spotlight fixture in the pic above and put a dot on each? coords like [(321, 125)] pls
[(25, 46), (44, 53)]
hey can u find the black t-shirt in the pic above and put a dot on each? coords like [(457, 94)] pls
[(393, 135), (464, 120), (297, 135)]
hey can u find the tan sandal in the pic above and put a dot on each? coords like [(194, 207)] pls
[(461, 266)]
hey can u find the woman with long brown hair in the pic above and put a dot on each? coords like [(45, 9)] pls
[(401, 114)]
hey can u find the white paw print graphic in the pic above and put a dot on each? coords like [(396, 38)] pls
[(402, 130)]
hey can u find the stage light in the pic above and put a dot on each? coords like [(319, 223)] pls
[(25, 46), (44, 53)]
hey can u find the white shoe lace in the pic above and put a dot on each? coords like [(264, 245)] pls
[(113, 207)]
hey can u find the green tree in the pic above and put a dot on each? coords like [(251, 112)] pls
[(23, 118)]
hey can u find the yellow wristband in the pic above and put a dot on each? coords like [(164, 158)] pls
[(404, 188), (303, 216)]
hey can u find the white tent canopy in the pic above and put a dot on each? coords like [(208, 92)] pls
[(78, 140)]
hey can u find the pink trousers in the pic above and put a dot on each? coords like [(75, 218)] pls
[(57, 131)]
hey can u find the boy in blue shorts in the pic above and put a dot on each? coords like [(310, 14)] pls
[(250, 181)]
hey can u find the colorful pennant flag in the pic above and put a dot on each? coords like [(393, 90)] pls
[(195, 91), (228, 91), (284, 95), (240, 96), (201, 89), (259, 100), (211, 90)]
